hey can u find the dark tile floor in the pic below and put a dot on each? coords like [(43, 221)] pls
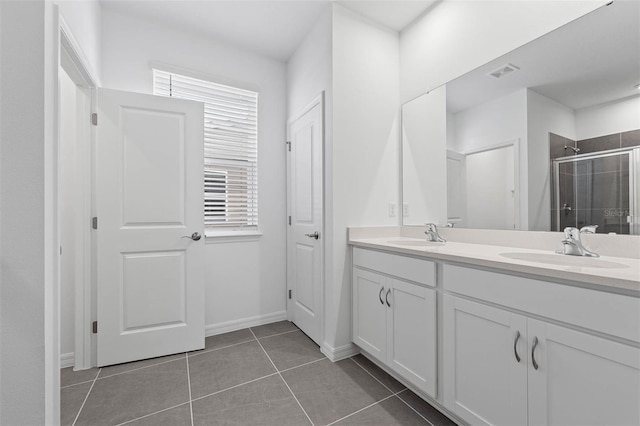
[(267, 375)]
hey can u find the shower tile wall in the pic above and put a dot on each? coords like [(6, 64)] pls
[(605, 179)]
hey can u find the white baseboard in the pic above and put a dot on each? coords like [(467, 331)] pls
[(225, 327), (67, 360), (339, 353)]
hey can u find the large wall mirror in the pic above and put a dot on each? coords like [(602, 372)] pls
[(544, 137)]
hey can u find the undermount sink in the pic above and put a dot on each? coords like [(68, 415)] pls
[(564, 260), (414, 242)]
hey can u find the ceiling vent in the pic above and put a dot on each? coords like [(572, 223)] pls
[(503, 70)]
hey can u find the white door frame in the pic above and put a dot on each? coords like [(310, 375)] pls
[(318, 100), (75, 64)]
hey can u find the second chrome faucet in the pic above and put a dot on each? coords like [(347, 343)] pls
[(572, 244)]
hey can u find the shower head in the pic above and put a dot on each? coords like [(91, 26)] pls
[(575, 150)]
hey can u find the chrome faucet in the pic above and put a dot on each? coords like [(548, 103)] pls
[(432, 233), (572, 245)]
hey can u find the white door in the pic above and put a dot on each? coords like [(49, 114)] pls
[(485, 363), (370, 313), (305, 232), (579, 379), (149, 197), (411, 333)]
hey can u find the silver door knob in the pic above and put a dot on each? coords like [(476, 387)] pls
[(195, 236), (314, 235)]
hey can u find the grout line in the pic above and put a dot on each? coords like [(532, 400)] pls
[(282, 378), (369, 373), (137, 369), (233, 387), (85, 398), (186, 356), (394, 394), (79, 383), (151, 414), (274, 335), (302, 365), (409, 405), (201, 352), (206, 351), (362, 409)]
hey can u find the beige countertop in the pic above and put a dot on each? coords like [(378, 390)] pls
[(608, 273)]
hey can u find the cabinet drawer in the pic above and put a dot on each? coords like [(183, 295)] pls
[(408, 268), (609, 313)]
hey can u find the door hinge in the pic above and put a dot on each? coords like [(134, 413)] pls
[(94, 223), (289, 145), (94, 327), (289, 220), (94, 119), (289, 294)]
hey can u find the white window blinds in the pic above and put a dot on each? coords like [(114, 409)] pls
[(230, 147)]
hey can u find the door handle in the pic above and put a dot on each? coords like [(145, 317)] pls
[(515, 346), (195, 236), (314, 235), (387, 298), (533, 352), (380, 295)]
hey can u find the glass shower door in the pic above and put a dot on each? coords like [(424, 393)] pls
[(595, 189)]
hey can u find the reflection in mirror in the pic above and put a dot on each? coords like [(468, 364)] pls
[(573, 88), (424, 188)]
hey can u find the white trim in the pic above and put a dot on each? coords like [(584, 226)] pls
[(69, 44), (67, 360), (75, 63), (218, 236), (339, 353), (227, 326)]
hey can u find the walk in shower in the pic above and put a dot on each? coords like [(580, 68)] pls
[(597, 189)]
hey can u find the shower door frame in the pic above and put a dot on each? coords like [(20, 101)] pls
[(634, 181)]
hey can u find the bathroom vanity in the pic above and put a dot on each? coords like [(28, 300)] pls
[(502, 330)]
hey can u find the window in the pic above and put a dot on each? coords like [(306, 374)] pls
[(230, 148)]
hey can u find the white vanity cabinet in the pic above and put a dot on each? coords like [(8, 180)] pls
[(394, 314), (502, 367)]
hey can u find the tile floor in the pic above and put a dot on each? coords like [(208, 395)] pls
[(267, 375)]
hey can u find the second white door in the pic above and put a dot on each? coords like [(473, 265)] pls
[(150, 252), (305, 232)]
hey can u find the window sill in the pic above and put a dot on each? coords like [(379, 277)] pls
[(216, 237)]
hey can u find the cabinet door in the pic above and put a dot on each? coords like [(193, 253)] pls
[(369, 313), (581, 379), (484, 382), (411, 333)]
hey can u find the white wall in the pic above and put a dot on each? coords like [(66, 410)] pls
[(605, 119), (492, 123), (245, 280), (544, 115), (83, 17), (27, 316), (365, 148), (458, 36), (310, 72)]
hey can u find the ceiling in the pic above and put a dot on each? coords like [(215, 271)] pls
[(274, 28), (590, 61)]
